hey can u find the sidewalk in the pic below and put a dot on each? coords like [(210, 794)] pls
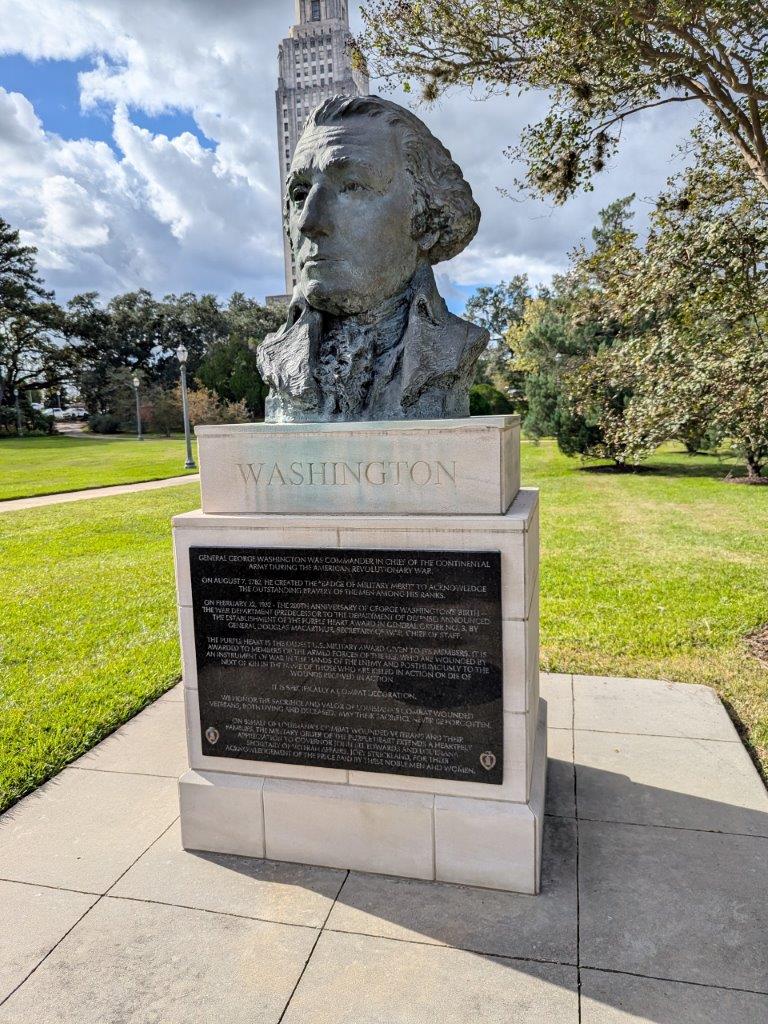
[(16, 504), (654, 904)]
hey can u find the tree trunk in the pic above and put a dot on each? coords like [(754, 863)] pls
[(753, 467)]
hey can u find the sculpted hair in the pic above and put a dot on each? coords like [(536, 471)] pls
[(442, 197)]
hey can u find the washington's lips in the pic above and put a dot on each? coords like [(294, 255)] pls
[(309, 261)]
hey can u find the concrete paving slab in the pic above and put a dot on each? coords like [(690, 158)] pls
[(82, 830), (624, 999), (141, 963), (506, 924), (560, 773), (358, 979), (650, 707), (672, 903), (663, 780), (247, 886), (152, 743), (34, 919), (556, 689)]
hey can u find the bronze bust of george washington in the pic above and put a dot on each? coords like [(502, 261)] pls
[(373, 200)]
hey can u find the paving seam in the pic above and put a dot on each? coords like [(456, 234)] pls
[(676, 981), (460, 949), (117, 771), (658, 735), (207, 910), (95, 903), (55, 888), (312, 950), (576, 820), (675, 828)]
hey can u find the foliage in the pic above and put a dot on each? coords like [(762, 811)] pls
[(497, 309), (486, 400), (230, 370), (599, 63), (693, 311), (561, 346), (105, 423), (206, 407), (32, 356)]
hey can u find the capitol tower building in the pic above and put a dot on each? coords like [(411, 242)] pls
[(313, 64)]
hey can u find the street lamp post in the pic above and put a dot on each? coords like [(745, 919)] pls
[(19, 427), (181, 355), (136, 383)]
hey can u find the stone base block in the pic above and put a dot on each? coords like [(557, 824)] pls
[(490, 843), (222, 813), (469, 465)]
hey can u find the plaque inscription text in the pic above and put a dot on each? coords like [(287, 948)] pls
[(381, 661)]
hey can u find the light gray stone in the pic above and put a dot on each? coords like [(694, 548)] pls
[(358, 979), (455, 466), (152, 743), (557, 689), (143, 963), (541, 927), (245, 886), (83, 829), (493, 843), (674, 903), (357, 827), (222, 813), (34, 919), (651, 707), (664, 780), (623, 999), (368, 337), (514, 534)]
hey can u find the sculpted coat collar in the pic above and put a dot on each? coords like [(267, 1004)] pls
[(321, 368)]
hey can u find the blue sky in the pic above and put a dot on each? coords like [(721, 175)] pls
[(137, 149)]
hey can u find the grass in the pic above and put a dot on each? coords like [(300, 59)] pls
[(659, 574), (52, 464)]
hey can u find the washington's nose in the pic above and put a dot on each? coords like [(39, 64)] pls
[(314, 221)]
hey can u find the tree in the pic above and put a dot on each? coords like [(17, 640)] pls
[(694, 306), (33, 355), (560, 345), (599, 62), (497, 309), (229, 367)]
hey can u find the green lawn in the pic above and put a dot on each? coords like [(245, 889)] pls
[(49, 465), (658, 574)]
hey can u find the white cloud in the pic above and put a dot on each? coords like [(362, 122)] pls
[(170, 214)]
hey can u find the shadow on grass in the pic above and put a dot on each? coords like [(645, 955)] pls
[(715, 471)]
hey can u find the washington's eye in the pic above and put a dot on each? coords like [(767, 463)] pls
[(299, 194), (353, 186)]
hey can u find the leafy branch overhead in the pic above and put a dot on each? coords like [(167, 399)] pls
[(599, 61)]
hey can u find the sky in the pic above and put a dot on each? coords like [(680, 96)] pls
[(138, 149)]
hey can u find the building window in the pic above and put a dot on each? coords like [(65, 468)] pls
[(315, 10)]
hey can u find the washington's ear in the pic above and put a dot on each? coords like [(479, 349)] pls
[(427, 240)]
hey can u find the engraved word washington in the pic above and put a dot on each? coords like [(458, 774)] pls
[(324, 474)]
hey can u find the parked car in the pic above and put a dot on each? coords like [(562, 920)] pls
[(76, 412)]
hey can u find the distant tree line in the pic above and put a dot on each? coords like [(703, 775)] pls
[(91, 350)]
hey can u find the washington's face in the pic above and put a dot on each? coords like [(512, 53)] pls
[(350, 215)]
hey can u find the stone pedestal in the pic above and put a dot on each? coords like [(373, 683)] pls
[(463, 829)]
